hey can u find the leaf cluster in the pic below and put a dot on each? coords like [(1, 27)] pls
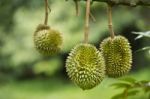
[(131, 87), (142, 35)]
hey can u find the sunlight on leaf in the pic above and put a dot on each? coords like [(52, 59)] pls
[(142, 34), (121, 85), (131, 87), (128, 79), (118, 96), (143, 49), (133, 92)]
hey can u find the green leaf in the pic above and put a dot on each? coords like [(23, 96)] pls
[(146, 86), (142, 34), (121, 85), (118, 96), (128, 79), (145, 81), (147, 89), (133, 92), (143, 49), (123, 94)]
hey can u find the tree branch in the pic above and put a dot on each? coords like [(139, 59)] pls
[(125, 2)]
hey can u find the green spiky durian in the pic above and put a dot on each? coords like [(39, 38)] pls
[(47, 41), (118, 56), (85, 66)]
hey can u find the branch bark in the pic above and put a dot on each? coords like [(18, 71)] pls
[(125, 2)]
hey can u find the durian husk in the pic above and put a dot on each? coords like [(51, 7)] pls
[(118, 56), (85, 66), (47, 41)]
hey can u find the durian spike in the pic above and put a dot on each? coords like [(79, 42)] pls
[(110, 25)]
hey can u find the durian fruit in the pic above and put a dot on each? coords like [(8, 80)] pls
[(118, 56), (47, 41), (85, 66)]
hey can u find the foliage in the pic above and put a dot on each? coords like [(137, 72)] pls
[(131, 87), (141, 35)]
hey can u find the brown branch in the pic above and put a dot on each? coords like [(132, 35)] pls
[(86, 32), (110, 26), (46, 12), (125, 2)]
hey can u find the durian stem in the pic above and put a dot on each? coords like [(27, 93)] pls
[(86, 31), (76, 7), (46, 12), (110, 26)]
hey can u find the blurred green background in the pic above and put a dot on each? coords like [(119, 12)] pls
[(25, 74)]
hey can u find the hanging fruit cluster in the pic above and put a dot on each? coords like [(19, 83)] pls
[(87, 66)]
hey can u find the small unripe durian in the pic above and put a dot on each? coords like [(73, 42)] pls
[(85, 66), (118, 56), (47, 41)]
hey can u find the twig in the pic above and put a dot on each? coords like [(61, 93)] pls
[(76, 7), (77, 10), (92, 17)]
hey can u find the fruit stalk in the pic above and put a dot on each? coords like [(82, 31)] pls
[(46, 12), (110, 26), (86, 32)]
